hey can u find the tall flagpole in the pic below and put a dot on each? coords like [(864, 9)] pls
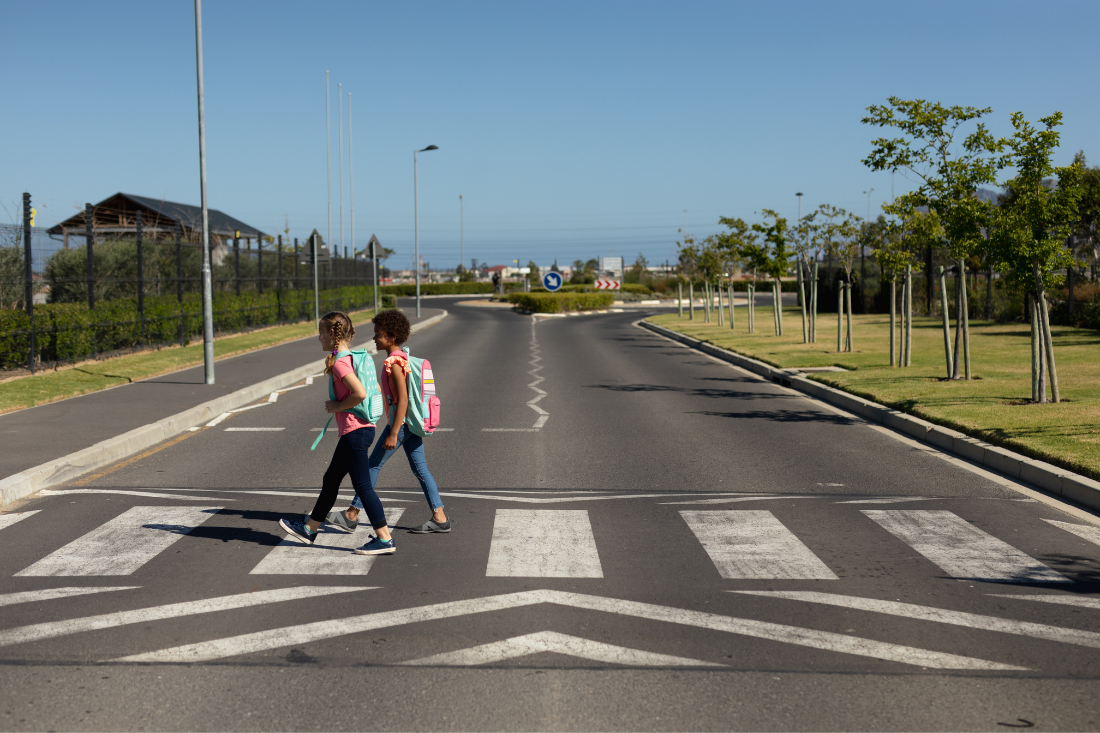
[(207, 286), (340, 125), (328, 157), (351, 172)]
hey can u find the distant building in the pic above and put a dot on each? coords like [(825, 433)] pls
[(115, 217)]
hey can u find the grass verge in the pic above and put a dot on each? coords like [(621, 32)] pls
[(995, 406), (92, 376)]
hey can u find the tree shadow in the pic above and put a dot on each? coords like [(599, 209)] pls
[(693, 392), (784, 416)]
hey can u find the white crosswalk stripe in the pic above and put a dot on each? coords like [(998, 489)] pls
[(124, 544), (52, 594), (331, 553), (543, 543), (1084, 531), (753, 544), (7, 520), (960, 549)]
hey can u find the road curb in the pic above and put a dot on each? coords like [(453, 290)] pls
[(66, 468), (1052, 479)]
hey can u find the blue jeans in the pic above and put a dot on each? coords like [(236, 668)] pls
[(351, 456), (414, 449)]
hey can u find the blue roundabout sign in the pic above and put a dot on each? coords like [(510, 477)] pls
[(552, 281)]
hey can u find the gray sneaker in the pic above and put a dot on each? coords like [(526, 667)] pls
[(432, 526), (340, 521)]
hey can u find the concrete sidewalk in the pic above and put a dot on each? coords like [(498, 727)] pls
[(36, 435)]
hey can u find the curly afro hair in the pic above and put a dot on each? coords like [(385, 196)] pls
[(394, 324)]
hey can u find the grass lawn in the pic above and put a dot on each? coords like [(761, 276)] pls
[(993, 406), (50, 386)]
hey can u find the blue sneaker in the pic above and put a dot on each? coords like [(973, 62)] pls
[(377, 547), (298, 530)]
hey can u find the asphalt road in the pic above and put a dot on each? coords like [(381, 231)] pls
[(676, 546)]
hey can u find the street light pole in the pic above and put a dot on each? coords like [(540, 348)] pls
[(340, 168), (207, 286), (351, 173), (328, 156), (416, 225), (461, 233)]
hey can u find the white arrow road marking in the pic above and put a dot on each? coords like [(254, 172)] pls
[(754, 545), (736, 498), (551, 641), (129, 492), (10, 599), (224, 415), (53, 629), (125, 543), (253, 430), (938, 615), (305, 633), (7, 520), (543, 543), (960, 549), (1065, 600), (262, 492), (886, 500), (1084, 531), (331, 553)]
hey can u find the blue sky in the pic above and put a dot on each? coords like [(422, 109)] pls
[(572, 129)]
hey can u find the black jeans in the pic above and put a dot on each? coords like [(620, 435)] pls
[(352, 455)]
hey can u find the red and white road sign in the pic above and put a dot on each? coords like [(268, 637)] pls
[(607, 285)]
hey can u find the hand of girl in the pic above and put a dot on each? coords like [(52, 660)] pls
[(330, 406)]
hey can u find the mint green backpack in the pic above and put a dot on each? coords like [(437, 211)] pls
[(370, 409)]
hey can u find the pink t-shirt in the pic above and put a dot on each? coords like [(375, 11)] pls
[(345, 421)]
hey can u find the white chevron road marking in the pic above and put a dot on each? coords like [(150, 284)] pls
[(551, 641), (1064, 600), (319, 630), (330, 554), (938, 615), (50, 594), (7, 520), (1084, 531), (52, 629)]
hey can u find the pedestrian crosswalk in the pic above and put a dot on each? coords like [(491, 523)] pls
[(741, 544)]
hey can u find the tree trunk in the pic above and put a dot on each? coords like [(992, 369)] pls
[(813, 307), (893, 319), (691, 301), (802, 302), (777, 304), (680, 298), (752, 307), (966, 331), (946, 320), (1036, 353), (839, 314), (989, 294), (908, 315), (848, 298), (959, 287), (730, 288), (718, 291), (901, 324), (1052, 368)]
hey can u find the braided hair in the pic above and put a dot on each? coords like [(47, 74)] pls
[(339, 325)]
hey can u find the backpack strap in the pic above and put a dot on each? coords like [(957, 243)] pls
[(323, 430)]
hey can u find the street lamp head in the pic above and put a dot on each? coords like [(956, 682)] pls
[(430, 147), (798, 194)]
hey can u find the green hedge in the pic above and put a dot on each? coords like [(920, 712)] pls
[(560, 302), (409, 291), (71, 332)]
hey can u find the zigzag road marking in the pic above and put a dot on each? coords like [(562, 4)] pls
[(319, 630), (53, 629), (535, 359), (939, 615), (552, 641)]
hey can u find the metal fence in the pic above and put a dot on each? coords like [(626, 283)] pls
[(63, 301)]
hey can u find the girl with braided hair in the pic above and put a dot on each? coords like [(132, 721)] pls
[(352, 454)]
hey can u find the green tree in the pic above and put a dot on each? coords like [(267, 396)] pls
[(839, 233), (1087, 241), (949, 171), (638, 271), (1030, 228), (533, 276), (896, 246)]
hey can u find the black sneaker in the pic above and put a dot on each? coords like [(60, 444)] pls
[(432, 526), (298, 530)]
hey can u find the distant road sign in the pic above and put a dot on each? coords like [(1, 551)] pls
[(552, 281), (607, 285)]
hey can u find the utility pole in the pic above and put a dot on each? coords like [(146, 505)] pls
[(207, 285)]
